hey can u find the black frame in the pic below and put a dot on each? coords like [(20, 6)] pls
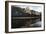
[(6, 16)]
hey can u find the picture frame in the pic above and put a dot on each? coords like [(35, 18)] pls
[(12, 17)]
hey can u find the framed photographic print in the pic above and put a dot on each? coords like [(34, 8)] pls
[(24, 16)]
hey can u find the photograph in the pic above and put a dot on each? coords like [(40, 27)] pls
[(24, 16)]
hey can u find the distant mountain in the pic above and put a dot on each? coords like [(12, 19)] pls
[(20, 12)]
